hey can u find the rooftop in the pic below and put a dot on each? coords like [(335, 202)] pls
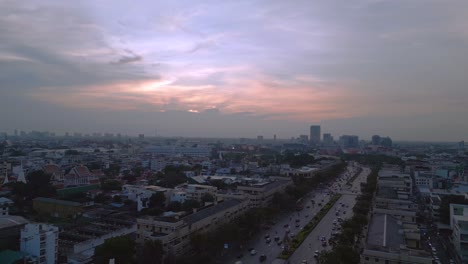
[(384, 232), (212, 210), (55, 201), (8, 221)]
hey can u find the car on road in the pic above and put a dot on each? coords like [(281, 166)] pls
[(304, 261), (240, 256), (324, 243), (262, 258), (268, 240), (253, 252), (277, 238), (316, 254)]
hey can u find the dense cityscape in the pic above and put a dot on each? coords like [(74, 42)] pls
[(309, 199), (233, 132)]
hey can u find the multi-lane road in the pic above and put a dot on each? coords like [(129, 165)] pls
[(306, 251), (313, 242)]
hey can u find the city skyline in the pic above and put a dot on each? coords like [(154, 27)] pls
[(239, 69)]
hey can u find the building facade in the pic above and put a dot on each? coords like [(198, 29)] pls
[(41, 241), (314, 134)]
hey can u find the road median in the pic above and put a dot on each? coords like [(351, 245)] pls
[(302, 235)]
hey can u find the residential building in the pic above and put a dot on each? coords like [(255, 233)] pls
[(40, 240), (174, 232), (197, 191), (5, 205), (459, 226), (199, 151), (142, 194)]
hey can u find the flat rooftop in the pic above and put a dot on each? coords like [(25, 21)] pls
[(212, 210), (384, 232), (8, 221)]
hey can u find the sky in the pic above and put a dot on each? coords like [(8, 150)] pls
[(241, 68)]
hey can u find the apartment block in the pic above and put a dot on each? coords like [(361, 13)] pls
[(41, 241)]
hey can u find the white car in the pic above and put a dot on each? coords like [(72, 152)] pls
[(253, 252)]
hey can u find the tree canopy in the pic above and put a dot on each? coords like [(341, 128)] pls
[(121, 248)]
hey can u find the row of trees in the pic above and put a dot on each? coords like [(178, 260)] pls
[(344, 250)]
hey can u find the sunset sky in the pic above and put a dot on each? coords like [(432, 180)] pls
[(212, 68)]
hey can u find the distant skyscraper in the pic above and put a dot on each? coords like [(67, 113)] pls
[(16, 132), (375, 140), (461, 148), (314, 134), (386, 142), (304, 139), (274, 137), (348, 141), (327, 139), (141, 136), (259, 138)]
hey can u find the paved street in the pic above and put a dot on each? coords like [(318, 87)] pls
[(272, 250), (324, 228)]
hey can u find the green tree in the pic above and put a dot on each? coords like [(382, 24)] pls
[(207, 198), (40, 185), (157, 200), (151, 252), (121, 248), (190, 204)]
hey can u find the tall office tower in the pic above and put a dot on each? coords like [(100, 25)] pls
[(260, 138), (327, 139), (314, 134), (274, 137), (141, 136), (376, 140)]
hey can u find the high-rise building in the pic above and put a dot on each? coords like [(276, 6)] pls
[(274, 137), (303, 139), (40, 240), (348, 141), (314, 134), (375, 140), (141, 136), (327, 139), (461, 148), (260, 138)]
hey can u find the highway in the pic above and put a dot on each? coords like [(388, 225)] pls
[(324, 228), (272, 250)]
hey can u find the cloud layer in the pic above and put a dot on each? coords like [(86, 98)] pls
[(301, 62)]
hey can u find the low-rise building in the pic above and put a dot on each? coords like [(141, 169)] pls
[(10, 229), (459, 226), (390, 242), (78, 243), (5, 205), (142, 194), (260, 194), (57, 208), (40, 240), (174, 232)]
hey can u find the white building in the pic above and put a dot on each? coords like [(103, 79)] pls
[(142, 194), (459, 226), (5, 204), (40, 240)]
